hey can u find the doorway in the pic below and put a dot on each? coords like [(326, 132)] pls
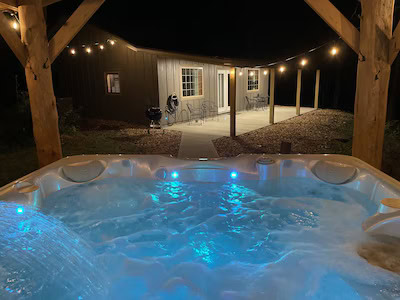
[(222, 91)]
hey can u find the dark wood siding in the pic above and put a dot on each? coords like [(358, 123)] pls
[(82, 77)]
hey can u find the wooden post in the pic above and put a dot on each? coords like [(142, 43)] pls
[(298, 92), (376, 48), (232, 101), (272, 97), (316, 98), (373, 76), (39, 82)]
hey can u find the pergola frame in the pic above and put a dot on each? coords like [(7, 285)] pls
[(377, 47), (36, 54)]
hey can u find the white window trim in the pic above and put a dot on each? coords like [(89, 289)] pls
[(181, 83), (247, 81)]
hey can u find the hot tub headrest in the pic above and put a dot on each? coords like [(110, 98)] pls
[(333, 172), (83, 172)]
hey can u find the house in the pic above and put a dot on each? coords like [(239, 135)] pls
[(112, 79)]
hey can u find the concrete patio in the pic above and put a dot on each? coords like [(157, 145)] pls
[(197, 136)]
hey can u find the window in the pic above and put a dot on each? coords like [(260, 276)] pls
[(192, 82), (112, 82), (252, 80)]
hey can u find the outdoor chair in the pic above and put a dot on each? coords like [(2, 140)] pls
[(195, 113), (261, 102), (250, 103), (210, 109)]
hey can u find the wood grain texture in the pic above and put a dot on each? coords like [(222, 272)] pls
[(12, 39), (373, 75), (337, 21), (40, 83)]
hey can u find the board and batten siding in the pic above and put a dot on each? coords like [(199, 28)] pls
[(170, 82), (82, 77), (241, 87)]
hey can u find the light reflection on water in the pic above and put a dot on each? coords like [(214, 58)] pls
[(237, 240)]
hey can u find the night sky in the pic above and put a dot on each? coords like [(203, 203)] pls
[(269, 30)]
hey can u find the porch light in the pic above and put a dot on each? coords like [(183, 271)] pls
[(303, 62), (282, 69), (334, 51)]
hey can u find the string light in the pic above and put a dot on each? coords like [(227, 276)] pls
[(88, 50), (240, 73), (282, 69), (334, 51), (265, 72), (101, 47), (72, 51), (112, 42), (251, 73), (15, 25), (304, 62)]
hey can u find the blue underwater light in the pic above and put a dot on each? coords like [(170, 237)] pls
[(175, 175), (234, 175)]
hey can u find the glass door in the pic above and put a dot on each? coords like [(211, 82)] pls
[(222, 91)]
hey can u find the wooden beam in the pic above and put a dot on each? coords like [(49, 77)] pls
[(49, 2), (373, 76), (39, 82), (12, 39), (232, 101), (44, 2), (8, 4), (73, 25), (394, 46), (272, 97), (316, 97), (337, 21), (298, 92)]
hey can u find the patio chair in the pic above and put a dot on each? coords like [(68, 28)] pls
[(261, 102), (250, 103), (195, 113), (210, 109)]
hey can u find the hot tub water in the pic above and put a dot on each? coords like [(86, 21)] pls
[(282, 239)]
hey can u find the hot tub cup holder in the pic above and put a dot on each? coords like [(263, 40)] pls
[(386, 221), (30, 191)]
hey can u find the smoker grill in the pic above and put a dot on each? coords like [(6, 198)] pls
[(154, 114)]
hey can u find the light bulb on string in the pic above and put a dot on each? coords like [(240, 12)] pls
[(334, 51), (282, 69), (304, 62)]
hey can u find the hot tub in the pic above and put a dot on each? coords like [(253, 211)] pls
[(155, 227)]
